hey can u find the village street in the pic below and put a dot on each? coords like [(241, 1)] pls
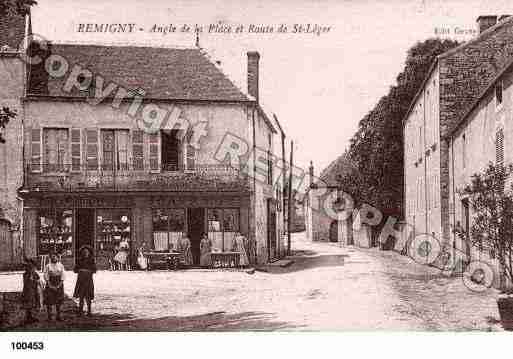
[(326, 288)]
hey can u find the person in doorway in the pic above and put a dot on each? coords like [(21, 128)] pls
[(84, 288), (30, 294), (205, 252), (54, 289), (239, 246), (184, 246)]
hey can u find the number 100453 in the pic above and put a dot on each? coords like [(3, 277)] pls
[(27, 345)]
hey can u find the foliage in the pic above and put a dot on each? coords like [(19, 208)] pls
[(20, 7), (492, 207), (5, 115), (376, 149)]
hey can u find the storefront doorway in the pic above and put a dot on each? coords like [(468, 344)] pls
[(84, 230), (196, 229)]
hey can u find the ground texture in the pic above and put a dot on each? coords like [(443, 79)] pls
[(326, 288)]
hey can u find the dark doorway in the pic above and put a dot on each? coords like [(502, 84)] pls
[(84, 230), (195, 228), (271, 229), (334, 231), (171, 152)]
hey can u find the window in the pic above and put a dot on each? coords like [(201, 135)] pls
[(190, 157), (171, 150), (35, 149), (223, 225), (55, 231), (154, 140), (92, 149), (76, 150), (55, 149), (168, 227), (115, 150), (138, 150), (498, 94)]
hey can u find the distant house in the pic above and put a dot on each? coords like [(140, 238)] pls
[(456, 78), (322, 206), (87, 166)]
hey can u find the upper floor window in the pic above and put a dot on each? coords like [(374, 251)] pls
[(498, 94), (55, 149), (115, 150)]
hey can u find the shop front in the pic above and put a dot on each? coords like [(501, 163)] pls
[(126, 222)]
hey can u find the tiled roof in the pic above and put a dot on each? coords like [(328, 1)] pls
[(12, 30), (163, 73)]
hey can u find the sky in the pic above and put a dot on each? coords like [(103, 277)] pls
[(319, 86)]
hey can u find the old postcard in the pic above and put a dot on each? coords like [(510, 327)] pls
[(221, 166)]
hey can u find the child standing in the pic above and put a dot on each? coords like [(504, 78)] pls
[(30, 295)]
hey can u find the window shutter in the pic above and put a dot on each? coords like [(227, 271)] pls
[(35, 149), (154, 151), (499, 148), (76, 150), (191, 157), (138, 150), (92, 149)]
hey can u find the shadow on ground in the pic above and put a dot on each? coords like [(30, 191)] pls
[(215, 321), (308, 259)]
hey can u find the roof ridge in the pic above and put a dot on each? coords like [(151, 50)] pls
[(121, 44), (479, 37)]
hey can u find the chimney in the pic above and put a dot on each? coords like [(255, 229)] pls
[(311, 173), (485, 22), (253, 76), (503, 17)]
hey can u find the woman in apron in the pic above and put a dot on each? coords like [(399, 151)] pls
[(54, 290), (84, 288)]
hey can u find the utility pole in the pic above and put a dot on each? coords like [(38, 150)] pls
[(289, 210)]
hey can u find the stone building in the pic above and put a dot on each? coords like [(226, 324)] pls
[(454, 80), (137, 144), (325, 217), (482, 135)]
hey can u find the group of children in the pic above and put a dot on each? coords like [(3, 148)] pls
[(49, 291)]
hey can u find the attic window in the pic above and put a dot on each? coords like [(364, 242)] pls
[(498, 94)]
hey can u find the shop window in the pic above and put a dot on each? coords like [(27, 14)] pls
[(113, 231), (55, 149), (168, 227), (223, 225), (55, 232)]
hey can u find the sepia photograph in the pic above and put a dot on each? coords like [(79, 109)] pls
[(255, 166)]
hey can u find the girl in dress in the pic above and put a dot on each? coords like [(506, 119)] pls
[(54, 290), (84, 288), (184, 246), (238, 246), (30, 294), (205, 252)]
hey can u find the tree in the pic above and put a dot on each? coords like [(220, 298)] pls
[(492, 222), (20, 7)]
